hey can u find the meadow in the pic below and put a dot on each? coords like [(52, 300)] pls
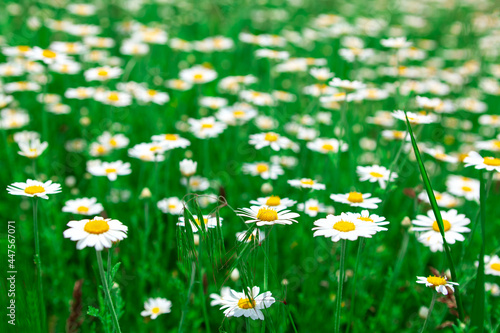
[(250, 166)]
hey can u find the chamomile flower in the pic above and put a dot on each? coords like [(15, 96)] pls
[(263, 169), (206, 127), (257, 97), (237, 114), (79, 93), (438, 283), (346, 84), (415, 118), (213, 102), (439, 154), (98, 232), (102, 73), (442, 199), (372, 218), (492, 265), (344, 226), (150, 152), (171, 141), (265, 215), (187, 167), (312, 207), (154, 307), (247, 303), (375, 173), (357, 199), (463, 187), (306, 183), (255, 236), (479, 162), (274, 201), (326, 146), (270, 139), (209, 222), (115, 141), (34, 188), (198, 74), (109, 169), (32, 148), (177, 84), (172, 205), (151, 95), (47, 56), (196, 183), (219, 299), (83, 206), (453, 223), (396, 43), (114, 98)]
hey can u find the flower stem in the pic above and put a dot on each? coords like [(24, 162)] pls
[(202, 291), (266, 265), (338, 298), (185, 309), (353, 289), (434, 294), (104, 280), (38, 263)]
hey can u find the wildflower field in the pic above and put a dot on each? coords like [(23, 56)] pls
[(250, 166)]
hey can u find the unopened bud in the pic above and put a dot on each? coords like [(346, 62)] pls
[(145, 193)]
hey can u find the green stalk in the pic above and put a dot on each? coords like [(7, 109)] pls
[(353, 289), (434, 294), (202, 291), (478, 313), (104, 281), (338, 299), (38, 263), (266, 265), (186, 305), (437, 214)]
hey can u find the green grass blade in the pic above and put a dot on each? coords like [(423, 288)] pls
[(477, 315), (437, 214)]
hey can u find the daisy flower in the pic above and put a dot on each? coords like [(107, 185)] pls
[(357, 199), (188, 167), (33, 148), (396, 43), (171, 141), (255, 236), (237, 114), (47, 56), (213, 102), (492, 265), (439, 154), (99, 233), (219, 299), (79, 93), (346, 84), (209, 222), (453, 223), (442, 199), (344, 226), (373, 218), (479, 162), (206, 127), (115, 141), (102, 73), (150, 152), (114, 98), (312, 207), (151, 95), (34, 188), (463, 187), (415, 118), (271, 139), (274, 201), (375, 173), (172, 205), (196, 183), (198, 74), (263, 169), (264, 215), (154, 307), (257, 97), (306, 183), (110, 169), (83, 206), (326, 146), (438, 283), (248, 304), (177, 84)]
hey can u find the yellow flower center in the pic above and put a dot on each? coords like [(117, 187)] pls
[(155, 310), (101, 150), (307, 182), (376, 174), (171, 206), (82, 209), (34, 189), (327, 146), (271, 137), (113, 142), (398, 135), (102, 72), (245, 303), (344, 226), (207, 125), (495, 266), (366, 219), (466, 189), (267, 214), (436, 280), (113, 97), (491, 161), (273, 200), (314, 208), (440, 156), (23, 48), (170, 137), (96, 227), (238, 113), (446, 225), (49, 54), (152, 92), (205, 221), (261, 167), (110, 170), (355, 197), (154, 148), (198, 77)]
